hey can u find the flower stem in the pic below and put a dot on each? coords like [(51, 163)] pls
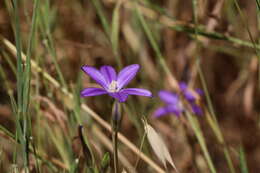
[(116, 119), (115, 152)]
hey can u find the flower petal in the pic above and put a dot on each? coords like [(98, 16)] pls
[(137, 91), (183, 86), (121, 97), (96, 75), (126, 75), (109, 73), (168, 97), (189, 96), (176, 109), (199, 91), (160, 112), (92, 92), (196, 109)]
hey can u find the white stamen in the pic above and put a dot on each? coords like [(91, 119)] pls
[(180, 105), (113, 87)]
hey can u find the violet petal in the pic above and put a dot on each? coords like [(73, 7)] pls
[(175, 109), (121, 97), (168, 97), (183, 86), (189, 96), (96, 75), (126, 75), (136, 91), (160, 112), (196, 109), (92, 92), (199, 91), (109, 73)]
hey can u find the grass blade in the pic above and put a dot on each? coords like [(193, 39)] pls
[(242, 159), (196, 128), (115, 32)]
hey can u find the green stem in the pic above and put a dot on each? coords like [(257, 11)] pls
[(115, 151), (116, 119), (199, 135)]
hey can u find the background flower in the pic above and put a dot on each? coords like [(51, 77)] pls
[(174, 104), (191, 98)]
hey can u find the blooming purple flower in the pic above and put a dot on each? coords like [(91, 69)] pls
[(174, 104), (112, 83)]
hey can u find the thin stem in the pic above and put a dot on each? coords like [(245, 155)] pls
[(116, 119), (140, 149), (201, 139), (115, 151)]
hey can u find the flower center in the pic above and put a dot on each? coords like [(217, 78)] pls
[(113, 87), (180, 105)]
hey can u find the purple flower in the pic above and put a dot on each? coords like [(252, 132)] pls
[(112, 83), (186, 93), (191, 98), (173, 104)]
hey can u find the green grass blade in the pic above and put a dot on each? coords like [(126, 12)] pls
[(102, 16), (86, 149), (20, 119), (6, 132), (196, 128), (6, 83), (115, 32), (242, 161), (152, 40), (45, 23), (27, 72), (10, 63), (245, 23), (19, 56), (258, 21)]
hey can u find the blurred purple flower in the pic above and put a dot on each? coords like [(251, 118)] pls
[(112, 83), (174, 104), (191, 98)]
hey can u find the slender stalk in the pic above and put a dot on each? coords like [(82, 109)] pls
[(115, 151), (113, 31), (140, 149), (246, 25), (199, 135), (214, 123), (116, 119)]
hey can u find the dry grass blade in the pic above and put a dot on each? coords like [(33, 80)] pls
[(158, 146)]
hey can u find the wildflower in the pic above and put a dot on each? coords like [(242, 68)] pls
[(191, 98), (174, 104), (112, 83)]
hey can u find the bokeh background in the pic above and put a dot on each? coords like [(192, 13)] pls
[(210, 44)]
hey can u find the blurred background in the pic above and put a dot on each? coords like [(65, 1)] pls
[(209, 44)]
